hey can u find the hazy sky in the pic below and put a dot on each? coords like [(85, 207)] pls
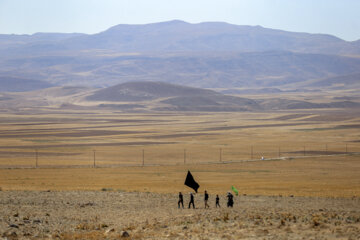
[(337, 17)]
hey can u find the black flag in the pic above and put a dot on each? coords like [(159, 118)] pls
[(190, 182)]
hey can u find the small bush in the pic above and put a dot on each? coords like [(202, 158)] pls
[(226, 217)]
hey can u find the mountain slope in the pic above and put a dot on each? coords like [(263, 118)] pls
[(207, 70), (11, 84), (349, 81)]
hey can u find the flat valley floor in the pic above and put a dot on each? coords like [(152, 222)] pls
[(83, 174)]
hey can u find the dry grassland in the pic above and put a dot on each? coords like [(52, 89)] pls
[(120, 139), (324, 176), (204, 142)]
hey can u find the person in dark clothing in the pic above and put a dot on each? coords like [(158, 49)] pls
[(206, 198), (217, 201), (230, 202), (181, 200), (191, 201)]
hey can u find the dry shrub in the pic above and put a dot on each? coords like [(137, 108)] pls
[(282, 222), (86, 226), (225, 217), (103, 225), (316, 221), (130, 227)]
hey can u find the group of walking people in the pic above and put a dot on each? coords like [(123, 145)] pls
[(230, 200)]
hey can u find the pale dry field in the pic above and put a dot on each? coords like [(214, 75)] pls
[(70, 138), (324, 176)]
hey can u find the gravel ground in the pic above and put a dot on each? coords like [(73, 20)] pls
[(114, 215)]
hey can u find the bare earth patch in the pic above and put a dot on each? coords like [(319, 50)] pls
[(109, 214)]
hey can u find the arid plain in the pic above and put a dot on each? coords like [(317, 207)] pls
[(92, 158)]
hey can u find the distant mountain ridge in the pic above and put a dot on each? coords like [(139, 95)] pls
[(207, 55), (14, 40), (181, 36), (212, 36)]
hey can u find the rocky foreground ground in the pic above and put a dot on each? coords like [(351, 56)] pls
[(114, 215)]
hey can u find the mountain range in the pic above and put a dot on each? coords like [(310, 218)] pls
[(207, 55), (180, 36)]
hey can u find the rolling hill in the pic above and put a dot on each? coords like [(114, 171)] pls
[(161, 96), (171, 97), (141, 91)]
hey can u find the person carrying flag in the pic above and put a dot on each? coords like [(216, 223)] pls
[(230, 202), (190, 182)]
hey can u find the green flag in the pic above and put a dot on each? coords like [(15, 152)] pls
[(235, 190)]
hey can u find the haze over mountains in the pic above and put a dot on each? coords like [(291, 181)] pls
[(208, 55)]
